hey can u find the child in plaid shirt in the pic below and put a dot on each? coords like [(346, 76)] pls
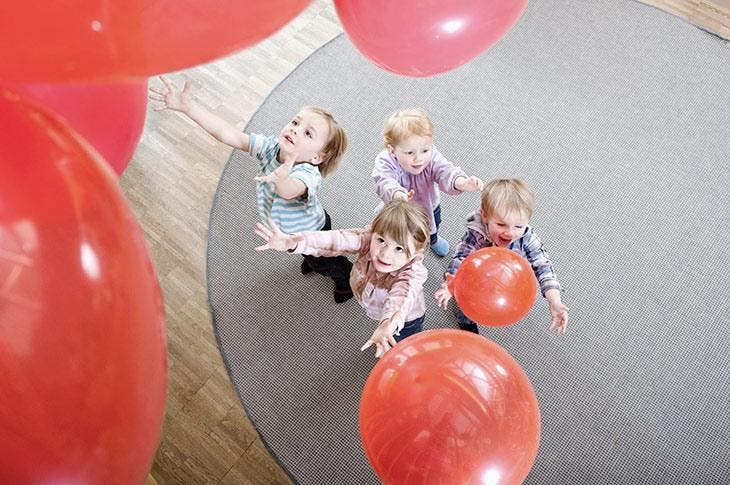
[(502, 220)]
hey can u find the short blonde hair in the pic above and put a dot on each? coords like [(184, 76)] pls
[(336, 144), (401, 220), (402, 124), (505, 196)]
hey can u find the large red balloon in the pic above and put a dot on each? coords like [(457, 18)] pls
[(110, 116), (495, 286), (451, 407), (82, 40), (82, 340), (425, 37)]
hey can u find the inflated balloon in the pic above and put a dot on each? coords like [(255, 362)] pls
[(108, 40), (425, 37), (494, 286), (82, 339), (110, 116), (448, 406)]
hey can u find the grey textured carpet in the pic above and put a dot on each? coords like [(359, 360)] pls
[(619, 116)]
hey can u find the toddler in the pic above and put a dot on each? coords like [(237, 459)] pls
[(388, 275), (291, 167), (411, 168), (502, 221)]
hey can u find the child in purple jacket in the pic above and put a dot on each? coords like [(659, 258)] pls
[(410, 168)]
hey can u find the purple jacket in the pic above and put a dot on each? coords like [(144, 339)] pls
[(389, 178)]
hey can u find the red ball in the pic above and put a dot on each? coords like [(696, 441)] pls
[(106, 40), (495, 286), (449, 406), (426, 37), (83, 349), (110, 116)]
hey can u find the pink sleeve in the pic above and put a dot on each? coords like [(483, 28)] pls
[(331, 243), (406, 289)]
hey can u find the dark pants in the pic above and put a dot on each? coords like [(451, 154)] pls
[(414, 326), (437, 219), (465, 323), (336, 267)]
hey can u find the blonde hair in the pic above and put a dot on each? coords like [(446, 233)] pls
[(401, 220), (336, 144), (402, 124), (505, 196)]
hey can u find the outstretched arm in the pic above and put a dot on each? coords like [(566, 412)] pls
[(177, 99), (382, 337), (275, 239), (285, 186)]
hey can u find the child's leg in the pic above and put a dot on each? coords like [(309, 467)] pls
[(439, 245), (337, 267), (465, 323), (414, 326)]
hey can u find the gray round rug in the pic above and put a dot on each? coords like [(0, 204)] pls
[(619, 116)]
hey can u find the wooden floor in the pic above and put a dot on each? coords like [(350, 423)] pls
[(170, 184)]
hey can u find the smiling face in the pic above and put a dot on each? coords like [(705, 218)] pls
[(505, 228), (413, 153), (305, 136), (387, 254)]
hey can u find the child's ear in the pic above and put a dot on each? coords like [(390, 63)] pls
[(317, 159), (390, 148), (483, 214)]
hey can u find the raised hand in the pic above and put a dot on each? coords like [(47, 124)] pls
[(443, 294), (382, 337), (400, 195), (275, 239), (172, 97), (469, 184), (280, 173), (558, 317)]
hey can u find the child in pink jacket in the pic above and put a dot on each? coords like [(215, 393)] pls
[(387, 276)]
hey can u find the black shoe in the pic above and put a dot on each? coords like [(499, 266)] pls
[(306, 269), (342, 296)]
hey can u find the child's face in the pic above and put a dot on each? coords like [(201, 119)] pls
[(505, 228), (413, 153), (304, 136), (387, 254)]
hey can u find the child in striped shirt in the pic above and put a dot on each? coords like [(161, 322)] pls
[(291, 168), (502, 220), (388, 275)]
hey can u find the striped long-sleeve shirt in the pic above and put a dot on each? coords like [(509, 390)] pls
[(529, 246), (291, 215)]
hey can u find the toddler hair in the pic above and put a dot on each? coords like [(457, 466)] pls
[(402, 124), (505, 196), (335, 146), (400, 219)]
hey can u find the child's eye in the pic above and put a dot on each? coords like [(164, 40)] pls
[(426, 150), (308, 133), (294, 122), (381, 240), (398, 249)]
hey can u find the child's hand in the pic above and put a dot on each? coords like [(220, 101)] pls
[(400, 195), (382, 337), (558, 317), (468, 184), (173, 98), (281, 173), (275, 239), (443, 294)]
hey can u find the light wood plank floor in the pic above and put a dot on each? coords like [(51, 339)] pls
[(170, 184)]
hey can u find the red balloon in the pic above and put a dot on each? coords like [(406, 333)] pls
[(495, 286), (83, 40), (425, 37), (448, 406), (109, 116), (82, 339)]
